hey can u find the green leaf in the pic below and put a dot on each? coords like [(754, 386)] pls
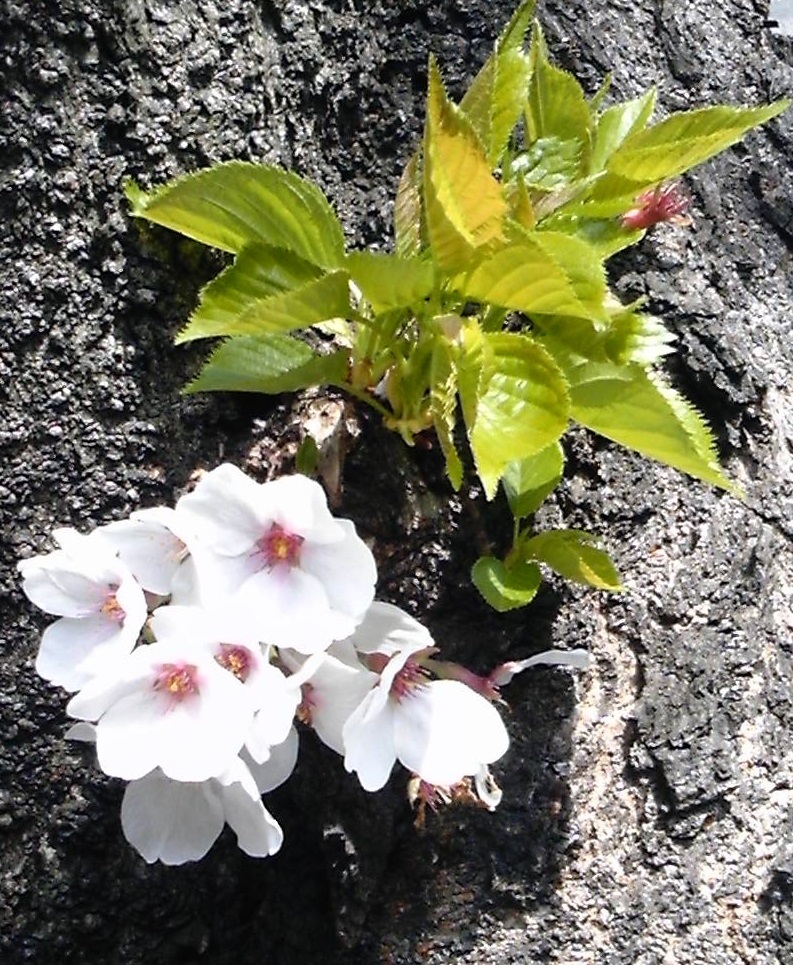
[(407, 210), (639, 338), (258, 272), (642, 412), (230, 205), (390, 281), (463, 203), (443, 405), (527, 482), (494, 100), (677, 144), (550, 163), (617, 123), (307, 458), (571, 554), (539, 275), (557, 106), (318, 300), (506, 589), (268, 363), (517, 407)]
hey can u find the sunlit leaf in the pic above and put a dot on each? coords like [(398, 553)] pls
[(503, 588), (617, 123), (230, 205), (642, 412), (407, 210), (268, 363), (258, 272), (520, 407), (463, 203), (571, 554), (322, 298), (527, 482), (443, 403), (390, 281)]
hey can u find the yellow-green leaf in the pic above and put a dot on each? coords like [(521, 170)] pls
[(464, 205), (407, 210), (571, 554), (390, 281), (527, 482), (268, 363), (231, 205), (617, 123), (443, 405), (506, 588)]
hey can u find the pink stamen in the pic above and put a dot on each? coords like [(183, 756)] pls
[(409, 679), (236, 660), (667, 202), (279, 547), (177, 680)]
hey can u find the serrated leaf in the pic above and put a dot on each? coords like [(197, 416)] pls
[(231, 205), (390, 281), (464, 205), (258, 272), (642, 412), (531, 276), (268, 363), (510, 83), (550, 163), (571, 554), (617, 123), (407, 210), (443, 406), (527, 482), (318, 300), (556, 106), (520, 404), (478, 102), (506, 589), (677, 144), (639, 338)]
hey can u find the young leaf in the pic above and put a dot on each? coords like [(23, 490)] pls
[(676, 144), (407, 211), (389, 281), (506, 589), (259, 271), (531, 276), (527, 482), (642, 412), (616, 124), (443, 405), (463, 203), (521, 403), (557, 106), (494, 100), (230, 205), (571, 554), (268, 363), (318, 300)]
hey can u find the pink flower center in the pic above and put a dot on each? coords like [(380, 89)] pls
[(279, 547), (111, 607), (411, 677), (236, 660), (177, 680), (305, 711)]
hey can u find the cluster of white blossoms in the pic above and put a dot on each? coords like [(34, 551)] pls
[(193, 639)]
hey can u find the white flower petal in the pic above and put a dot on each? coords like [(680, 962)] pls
[(224, 511), (578, 659), (388, 629), (258, 833), (336, 690), (69, 645), (346, 570), (278, 767), (444, 731), (369, 744), (299, 505), (150, 549), (169, 821)]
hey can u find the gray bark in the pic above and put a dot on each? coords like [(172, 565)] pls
[(647, 813)]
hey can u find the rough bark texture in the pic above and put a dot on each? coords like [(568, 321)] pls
[(648, 806)]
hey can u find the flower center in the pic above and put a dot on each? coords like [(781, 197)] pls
[(177, 680), (111, 607), (236, 660), (411, 677), (279, 547)]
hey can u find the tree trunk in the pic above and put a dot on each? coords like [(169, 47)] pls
[(648, 804)]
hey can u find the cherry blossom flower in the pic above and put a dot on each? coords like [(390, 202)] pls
[(299, 577), (441, 730), (101, 606), (667, 202), (176, 822), (168, 705)]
